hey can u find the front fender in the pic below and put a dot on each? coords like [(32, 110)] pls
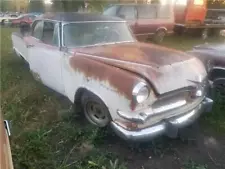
[(111, 84)]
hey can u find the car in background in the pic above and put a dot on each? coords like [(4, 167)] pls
[(22, 20), (5, 150), (146, 21), (213, 57), (4, 18)]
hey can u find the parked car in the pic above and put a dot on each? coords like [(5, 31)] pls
[(213, 56), (142, 90), (5, 18), (5, 150), (22, 20), (145, 21)]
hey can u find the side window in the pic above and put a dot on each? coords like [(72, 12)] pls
[(55, 39), (164, 11), (147, 12), (128, 12), (48, 32), (111, 11), (37, 31)]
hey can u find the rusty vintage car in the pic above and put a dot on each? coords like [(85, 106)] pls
[(141, 90), (5, 150), (213, 57)]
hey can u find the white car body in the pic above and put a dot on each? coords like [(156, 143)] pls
[(97, 69)]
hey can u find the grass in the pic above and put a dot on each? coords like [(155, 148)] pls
[(42, 136), (193, 165)]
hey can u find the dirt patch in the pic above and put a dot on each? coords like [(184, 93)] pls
[(202, 147)]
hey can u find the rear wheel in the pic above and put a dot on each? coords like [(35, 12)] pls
[(205, 34), (159, 36), (95, 110), (3, 22)]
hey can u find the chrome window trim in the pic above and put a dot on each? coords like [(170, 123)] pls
[(66, 23)]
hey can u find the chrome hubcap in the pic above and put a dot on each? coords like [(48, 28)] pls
[(96, 114)]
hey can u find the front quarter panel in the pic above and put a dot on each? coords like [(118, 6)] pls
[(113, 85)]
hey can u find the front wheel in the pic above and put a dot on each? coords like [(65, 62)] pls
[(159, 36), (205, 34), (95, 110)]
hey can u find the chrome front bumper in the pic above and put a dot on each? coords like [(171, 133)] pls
[(165, 127)]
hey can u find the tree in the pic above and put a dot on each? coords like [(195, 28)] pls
[(4, 5), (36, 6)]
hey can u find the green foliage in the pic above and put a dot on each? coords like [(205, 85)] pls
[(192, 165)]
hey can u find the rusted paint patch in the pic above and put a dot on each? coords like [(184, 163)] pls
[(147, 54), (161, 67), (122, 80)]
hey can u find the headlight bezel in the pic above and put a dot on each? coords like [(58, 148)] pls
[(139, 87)]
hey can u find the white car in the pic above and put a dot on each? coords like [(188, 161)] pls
[(142, 90), (5, 18)]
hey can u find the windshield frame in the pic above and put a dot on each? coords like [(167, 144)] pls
[(99, 44)]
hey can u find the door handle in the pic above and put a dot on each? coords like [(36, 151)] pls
[(30, 45)]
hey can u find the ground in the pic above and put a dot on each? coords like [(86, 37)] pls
[(47, 135)]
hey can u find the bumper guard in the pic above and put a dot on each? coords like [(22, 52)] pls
[(167, 127)]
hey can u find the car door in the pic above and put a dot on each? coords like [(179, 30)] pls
[(147, 22), (129, 13), (45, 55)]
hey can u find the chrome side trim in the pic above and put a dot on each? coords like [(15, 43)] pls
[(218, 68), (166, 126), (7, 127)]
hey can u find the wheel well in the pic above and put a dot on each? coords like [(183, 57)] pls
[(161, 29), (79, 93), (217, 74), (78, 96)]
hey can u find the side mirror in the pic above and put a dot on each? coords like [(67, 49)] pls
[(25, 29)]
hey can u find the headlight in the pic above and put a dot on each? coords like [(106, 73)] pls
[(141, 92)]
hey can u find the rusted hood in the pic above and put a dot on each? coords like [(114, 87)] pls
[(165, 69)]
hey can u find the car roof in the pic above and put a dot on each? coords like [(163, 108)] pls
[(79, 17), (134, 4)]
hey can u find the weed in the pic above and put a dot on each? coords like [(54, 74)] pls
[(192, 165)]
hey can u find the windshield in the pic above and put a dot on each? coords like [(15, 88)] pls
[(94, 33)]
